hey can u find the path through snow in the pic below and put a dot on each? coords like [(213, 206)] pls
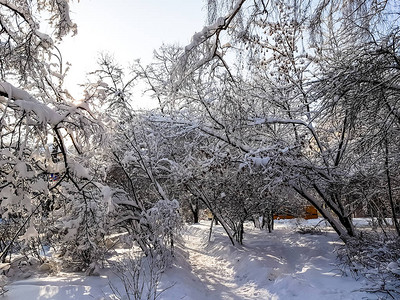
[(216, 273), (280, 265)]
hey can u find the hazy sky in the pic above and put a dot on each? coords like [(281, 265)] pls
[(128, 29)]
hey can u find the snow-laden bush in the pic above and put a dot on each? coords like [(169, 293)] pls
[(138, 277), (376, 257), (79, 230), (164, 222)]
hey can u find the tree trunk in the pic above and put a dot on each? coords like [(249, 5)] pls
[(211, 228), (336, 207), (389, 184), (256, 222), (269, 222), (272, 220), (202, 197), (239, 233), (262, 221), (340, 228), (196, 217), (194, 208)]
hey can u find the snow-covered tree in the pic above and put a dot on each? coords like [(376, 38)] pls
[(137, 161), (281, 82), (26, 51), (46, 136)]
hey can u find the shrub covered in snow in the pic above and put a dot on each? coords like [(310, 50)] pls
[(138, 277), (163, 221), (376, 257), (80, 228)]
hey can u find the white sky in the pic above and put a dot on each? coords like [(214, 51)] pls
[(128, 29)]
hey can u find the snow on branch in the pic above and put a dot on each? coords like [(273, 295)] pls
[(221, 24), (309, 126), (58, 12), (22, 11), (28, 103), (65, 25), (273, 120), (191, 125)]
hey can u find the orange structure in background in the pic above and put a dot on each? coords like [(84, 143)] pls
[(310, 212)]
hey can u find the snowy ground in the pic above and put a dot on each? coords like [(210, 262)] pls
[(281, 265)]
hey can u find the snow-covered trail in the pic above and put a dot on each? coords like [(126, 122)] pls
[(280, 265), (216, 273)]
